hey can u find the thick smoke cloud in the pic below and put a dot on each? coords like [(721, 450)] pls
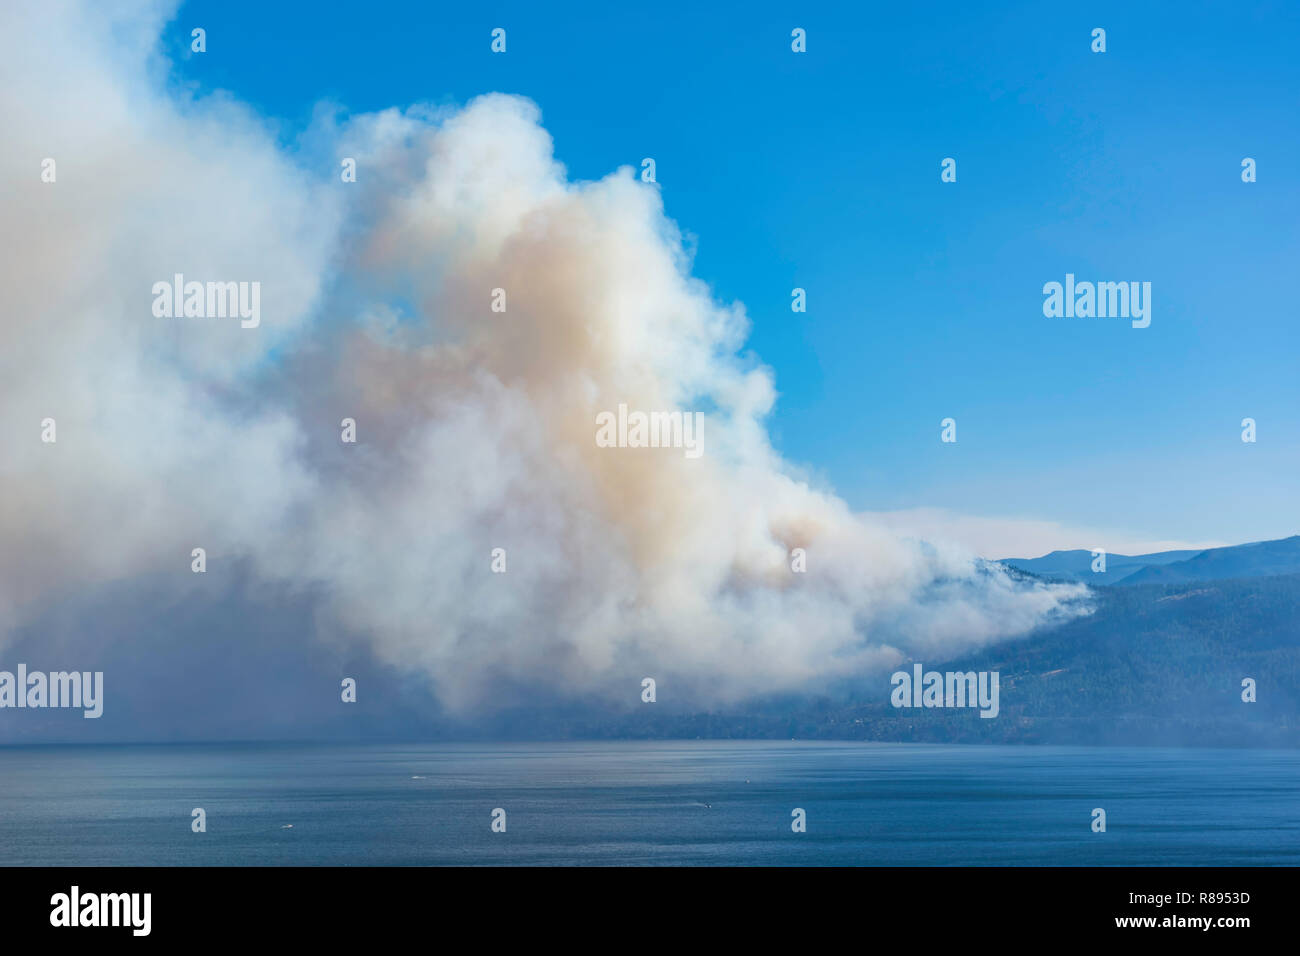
[(476, 428)]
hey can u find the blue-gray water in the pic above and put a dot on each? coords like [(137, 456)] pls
[(645, 803)]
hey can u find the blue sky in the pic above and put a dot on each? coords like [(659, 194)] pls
[(821, 170)]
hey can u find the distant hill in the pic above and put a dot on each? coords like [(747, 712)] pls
[(1257, 559), (1261, 559), (1077, 565), (1153, 664), (1156, 663)]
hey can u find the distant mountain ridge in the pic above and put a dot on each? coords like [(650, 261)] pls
[(1152, 665), (1256, 559)]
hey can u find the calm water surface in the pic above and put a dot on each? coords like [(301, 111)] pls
[(639, 803)]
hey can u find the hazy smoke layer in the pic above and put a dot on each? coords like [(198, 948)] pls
[(476, 428)]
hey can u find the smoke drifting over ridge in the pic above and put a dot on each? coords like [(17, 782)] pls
[(476, 429)]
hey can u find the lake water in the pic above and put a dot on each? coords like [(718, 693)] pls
[(639, 803)]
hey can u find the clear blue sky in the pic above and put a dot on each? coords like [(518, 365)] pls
[(821, 170)]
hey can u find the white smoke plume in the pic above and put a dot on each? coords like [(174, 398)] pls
[(476, 429)]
